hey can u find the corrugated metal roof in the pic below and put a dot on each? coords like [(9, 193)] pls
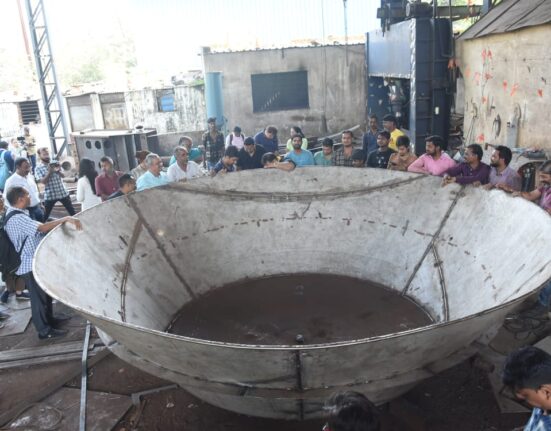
[(510, 15)]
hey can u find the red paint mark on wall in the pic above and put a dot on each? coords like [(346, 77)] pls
[(489, 54), (505, 85), (487, 76), (484, 99), (468, 72), (476, 78), (480, 138), (540, 92), (484, 54), (514, 89)]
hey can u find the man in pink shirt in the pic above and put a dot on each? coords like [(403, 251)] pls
[(107, 182), (435, 161)]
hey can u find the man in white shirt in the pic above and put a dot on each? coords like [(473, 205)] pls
[(183, 169), (21, 178), (237, 139)]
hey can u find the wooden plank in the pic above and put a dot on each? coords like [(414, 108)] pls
[(29, 362), (49, 383), (41, 351)]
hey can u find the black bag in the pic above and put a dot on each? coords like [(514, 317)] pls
[(10, 258)]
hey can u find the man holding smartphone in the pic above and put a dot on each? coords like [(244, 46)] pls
[(48, 172)]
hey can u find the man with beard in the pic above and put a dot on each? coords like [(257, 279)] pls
[(299, 156), (213, 144), (343, 156), (48, 172), (541, 195), (250, 156), (501, 175), (370, 136), (435, 161), (107, 182), (380, 157), (471, 171)]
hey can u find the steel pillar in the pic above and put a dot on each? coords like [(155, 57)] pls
[(52, 99)]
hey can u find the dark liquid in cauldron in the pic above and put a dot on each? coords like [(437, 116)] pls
[(321, 308)]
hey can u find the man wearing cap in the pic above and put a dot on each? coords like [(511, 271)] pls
[(390, 124), (183, 169), (250, 156), (213, 144)]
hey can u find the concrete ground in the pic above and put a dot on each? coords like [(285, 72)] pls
[(458, 399)]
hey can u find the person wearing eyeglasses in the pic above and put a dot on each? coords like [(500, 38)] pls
[(351, 411)]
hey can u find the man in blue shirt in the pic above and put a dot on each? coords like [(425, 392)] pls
[(226, 163), (527, 373), (25, 235), (154, 177), (299, 156), (268, 139), (7, 165), (370, 137)]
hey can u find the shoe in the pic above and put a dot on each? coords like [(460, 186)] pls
[(4, 316), (5, 296), (23, 296), (52, 333)]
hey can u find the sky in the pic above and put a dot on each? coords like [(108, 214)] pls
[(168, 34)]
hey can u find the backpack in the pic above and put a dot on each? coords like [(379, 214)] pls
[(10, 258)]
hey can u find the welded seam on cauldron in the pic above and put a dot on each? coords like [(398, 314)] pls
[(292, 197), (300, 387), (443, 286), (432, 241), (234, 388), (126, 268), (161, 248)]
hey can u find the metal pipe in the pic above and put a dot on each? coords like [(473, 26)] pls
[(84, 378)]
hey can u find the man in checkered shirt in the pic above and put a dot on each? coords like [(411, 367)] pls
[(50, 175), (25, 235)]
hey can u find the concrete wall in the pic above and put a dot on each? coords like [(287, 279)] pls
[(125, 110), (11, 125), (336, 89), (189, 110), (502, 73)]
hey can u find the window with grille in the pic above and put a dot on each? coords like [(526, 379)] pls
[(280, 91), (29, 112)]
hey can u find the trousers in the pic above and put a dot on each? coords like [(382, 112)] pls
[(41, 305)]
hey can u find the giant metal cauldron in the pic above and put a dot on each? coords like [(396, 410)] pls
[(467, 256)]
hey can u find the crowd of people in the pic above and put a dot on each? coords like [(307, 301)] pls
[(26, 217)]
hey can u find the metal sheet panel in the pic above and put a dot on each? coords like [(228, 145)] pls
[(389, 54), (510, 15), (377, 219)]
